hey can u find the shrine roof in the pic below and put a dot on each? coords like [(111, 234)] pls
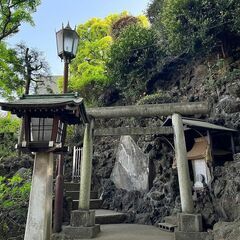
[(199, 123), (69, 105)]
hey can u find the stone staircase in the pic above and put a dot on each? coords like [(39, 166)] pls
[(102, 216), (170, 224)]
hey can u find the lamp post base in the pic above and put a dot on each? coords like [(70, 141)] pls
[(39, 220)]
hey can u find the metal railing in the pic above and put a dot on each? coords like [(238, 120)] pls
[(77, 156)]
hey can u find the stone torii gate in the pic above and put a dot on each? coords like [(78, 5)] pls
[(150, 110)]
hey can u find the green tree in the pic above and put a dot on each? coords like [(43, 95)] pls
[(134, 61), (34, 68), (191, 25), (21, 69), (10, 67), (154, 9), (13, 13), (126, 21), (88, 69)]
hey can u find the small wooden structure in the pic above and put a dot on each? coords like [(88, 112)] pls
[(44, 118), (200, 156), (207, 145)]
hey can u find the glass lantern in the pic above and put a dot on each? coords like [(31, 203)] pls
[(67, 43)]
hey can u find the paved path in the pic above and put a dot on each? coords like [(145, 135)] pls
[(132, 232)]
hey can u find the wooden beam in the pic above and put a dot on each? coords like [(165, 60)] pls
[(150, 110), (119, 131)]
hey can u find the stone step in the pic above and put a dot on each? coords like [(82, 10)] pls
[(94, 204), (69, 232), (70, 186), (103, 216), (75, 195), (171, 220), (167, 227), (192, 235)]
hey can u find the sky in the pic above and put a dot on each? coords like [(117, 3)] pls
[(52, 13)]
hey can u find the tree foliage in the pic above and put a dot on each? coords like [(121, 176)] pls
[(21, 69), (190, 25), (10, 67), (125, 21), (13, 13), (18, 65), (135, 58), (154, 9), (34, 67), (9, 124), (88, 69), (9, 127)]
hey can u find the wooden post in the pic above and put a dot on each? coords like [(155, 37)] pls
[(39, 220), (182, 165), (58, 204)]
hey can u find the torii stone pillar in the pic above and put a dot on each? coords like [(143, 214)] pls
[(182, 165), (39, 220), (82, 223), (86, 168)]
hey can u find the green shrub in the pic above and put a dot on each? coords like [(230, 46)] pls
[(9, 128), (220, 73), (9, 124), (157, 98), (134, 60), (14, 196)]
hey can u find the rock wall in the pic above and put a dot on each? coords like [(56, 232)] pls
[(192, 80), (220, 202), (10, 165), (146, 207)]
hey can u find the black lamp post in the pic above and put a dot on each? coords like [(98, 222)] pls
[(67, 43)]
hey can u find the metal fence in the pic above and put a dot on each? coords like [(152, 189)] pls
[(77, 156)]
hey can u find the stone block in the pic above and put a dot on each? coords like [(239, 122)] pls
[(82, 218), (82, 232), (190, 222), (192, 236), (75, 233)]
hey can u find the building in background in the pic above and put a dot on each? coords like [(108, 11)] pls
[(48, 85)]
